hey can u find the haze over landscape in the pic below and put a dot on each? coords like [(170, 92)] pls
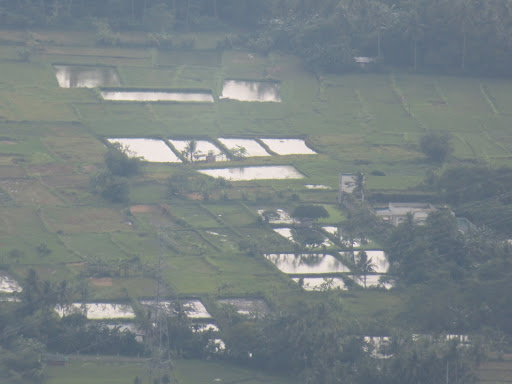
[(241, 191)]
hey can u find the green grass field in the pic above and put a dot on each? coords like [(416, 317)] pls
[(89, 370), (51, 142)]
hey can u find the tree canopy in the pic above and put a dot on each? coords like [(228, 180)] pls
[(463, 36), (309, 212)]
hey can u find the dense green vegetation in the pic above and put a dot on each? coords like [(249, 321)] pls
[(447, 36)]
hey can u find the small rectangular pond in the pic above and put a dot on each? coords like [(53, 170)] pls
[(317, 186), (320, 283), (312, 263), (379, 260), (336, 231), (100, 311), (204, 149), (252, 147), (248, 307), (150, 149), (83, 76), (262, 91), (372, 281), (194, 309), (8, 284), (146, 95), (288, 234), (271, 172), (288, 146)]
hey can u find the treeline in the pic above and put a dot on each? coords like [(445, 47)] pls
[(450, 36), (312, 343)]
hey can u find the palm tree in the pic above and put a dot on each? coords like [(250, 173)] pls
[(360, 188), (414, 30), (190, 150), (464, 14), (364, 265)]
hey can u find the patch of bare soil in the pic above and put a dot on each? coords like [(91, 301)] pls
[(101, 282), (141, 209), (194, 196)]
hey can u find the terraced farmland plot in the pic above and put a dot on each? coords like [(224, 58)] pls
[(193, 214), (72, 144), (200, 276), (21, 229), (196, 58), (232, 214), (144, 77), (185, 120), (243, 275), (94, 247), (379, 101), (145, 246), (121, 119), (85, 219)]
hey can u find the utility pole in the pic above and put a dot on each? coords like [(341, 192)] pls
[(157, 343)]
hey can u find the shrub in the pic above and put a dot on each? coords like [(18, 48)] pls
[(436, 146)]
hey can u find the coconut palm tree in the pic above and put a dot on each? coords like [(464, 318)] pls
[(190, 150), (364, 265)]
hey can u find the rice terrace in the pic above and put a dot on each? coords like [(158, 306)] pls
[(235, 197)]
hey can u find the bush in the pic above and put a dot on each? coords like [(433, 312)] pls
[(121, 162), (111, 187), (104, 34), (436, 146)]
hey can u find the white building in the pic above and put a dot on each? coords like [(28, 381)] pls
[(396, 213)]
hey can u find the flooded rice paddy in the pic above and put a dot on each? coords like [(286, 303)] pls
[(149, 149), (252, 147), (317, 186), (288, 146), (157, 96), (194, 309), (379, 260), (275, 172), (320, 283), (248, 307), (312, 263), (287, 233), (372, 281), (8, 284), (99, 311), (262, 91), (82, 76), (337, 232), (203, 149)]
